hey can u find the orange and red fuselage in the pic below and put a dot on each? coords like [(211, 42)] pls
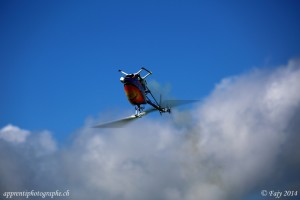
[(134, 89)]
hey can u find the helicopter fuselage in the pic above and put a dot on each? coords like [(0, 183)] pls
[(135, 89)]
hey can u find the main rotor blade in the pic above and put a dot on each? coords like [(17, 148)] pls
[(117, 123), (122, 122), (175, 103)]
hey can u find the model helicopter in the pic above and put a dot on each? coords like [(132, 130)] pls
[(138, 94)]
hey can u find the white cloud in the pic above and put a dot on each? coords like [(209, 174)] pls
[(243, 138), (43, 143), (13, 134)]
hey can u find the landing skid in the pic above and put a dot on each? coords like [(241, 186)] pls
[(139, 115), (138, 110)]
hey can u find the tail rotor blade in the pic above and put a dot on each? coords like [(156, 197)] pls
[(160, 99)]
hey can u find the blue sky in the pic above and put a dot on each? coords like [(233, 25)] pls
[(59, 75), (59, 59)]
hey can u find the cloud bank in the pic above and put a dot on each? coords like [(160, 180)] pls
[(241, 139)]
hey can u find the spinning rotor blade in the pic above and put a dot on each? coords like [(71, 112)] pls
[(122, 122), (175, 103), (117, 123)]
